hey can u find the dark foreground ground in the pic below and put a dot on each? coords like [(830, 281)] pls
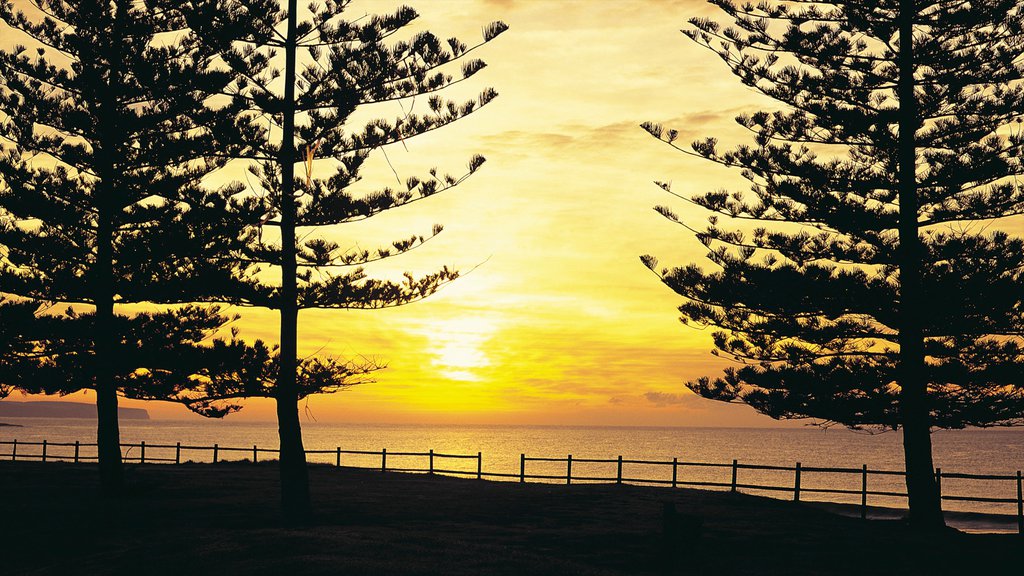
[(223, 519)]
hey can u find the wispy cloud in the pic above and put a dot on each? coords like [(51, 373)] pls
[(665, 399)]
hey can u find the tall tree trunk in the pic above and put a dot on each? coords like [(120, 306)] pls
[(108, 435), (924, 501), (295, 502)]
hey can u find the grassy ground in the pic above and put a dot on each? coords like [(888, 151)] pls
[(223, 519)]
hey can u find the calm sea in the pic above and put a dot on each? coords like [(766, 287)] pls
[(996, 452)]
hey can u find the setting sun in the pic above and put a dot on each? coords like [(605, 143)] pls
[(459, 345)]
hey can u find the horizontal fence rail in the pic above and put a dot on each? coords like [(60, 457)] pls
[(73, 452)]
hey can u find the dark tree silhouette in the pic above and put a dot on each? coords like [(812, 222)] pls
[(306, 76), (230, 370), (157, 356), (19, 338), (171, 356), (105, 137), (862, 280)]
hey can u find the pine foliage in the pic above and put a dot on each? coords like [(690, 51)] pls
[(105, 135), (301, 75), (343, 65), (805, 292)]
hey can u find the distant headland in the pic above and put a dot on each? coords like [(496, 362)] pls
[(52, 409)]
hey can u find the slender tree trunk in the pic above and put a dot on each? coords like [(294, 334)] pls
[(294, 476), (108, 434), (924, 501)]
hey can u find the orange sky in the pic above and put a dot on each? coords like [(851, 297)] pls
[(559, 323)]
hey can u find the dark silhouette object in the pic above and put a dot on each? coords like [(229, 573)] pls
[(17, 334), (869, 288), (170, 356), (327, 68), (233, 370), (107, 136), (680, 540)]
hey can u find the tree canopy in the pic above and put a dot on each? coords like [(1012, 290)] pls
[(107, 132), (301, 75), (868, 276)]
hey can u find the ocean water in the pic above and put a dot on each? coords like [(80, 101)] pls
[(993, 452)]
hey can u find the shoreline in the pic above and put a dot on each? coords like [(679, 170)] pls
[(549, 463)]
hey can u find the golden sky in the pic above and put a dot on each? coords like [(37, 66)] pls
[(558, 323)]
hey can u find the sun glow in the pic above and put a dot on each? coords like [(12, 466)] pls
[(458, 348)]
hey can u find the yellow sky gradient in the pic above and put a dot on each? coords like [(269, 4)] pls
[(558, 322)]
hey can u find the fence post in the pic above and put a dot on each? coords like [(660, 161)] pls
[(177, 453), (337, 460), (522, 468), (14, 450), (216, 448), (796, 484), (44, 450), (76, 451), (938, 482), (431, 461), (1020, 504), (383, 459), (479, 465), (618, 478), (568, 470), (255, 455), (734, 466), (864, 492), (142, 452), (675, 463)]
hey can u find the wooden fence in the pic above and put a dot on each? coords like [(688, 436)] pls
[(72, 452)]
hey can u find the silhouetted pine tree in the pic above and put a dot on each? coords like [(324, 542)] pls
[(306, 76), (862, 280), (105, 138)]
